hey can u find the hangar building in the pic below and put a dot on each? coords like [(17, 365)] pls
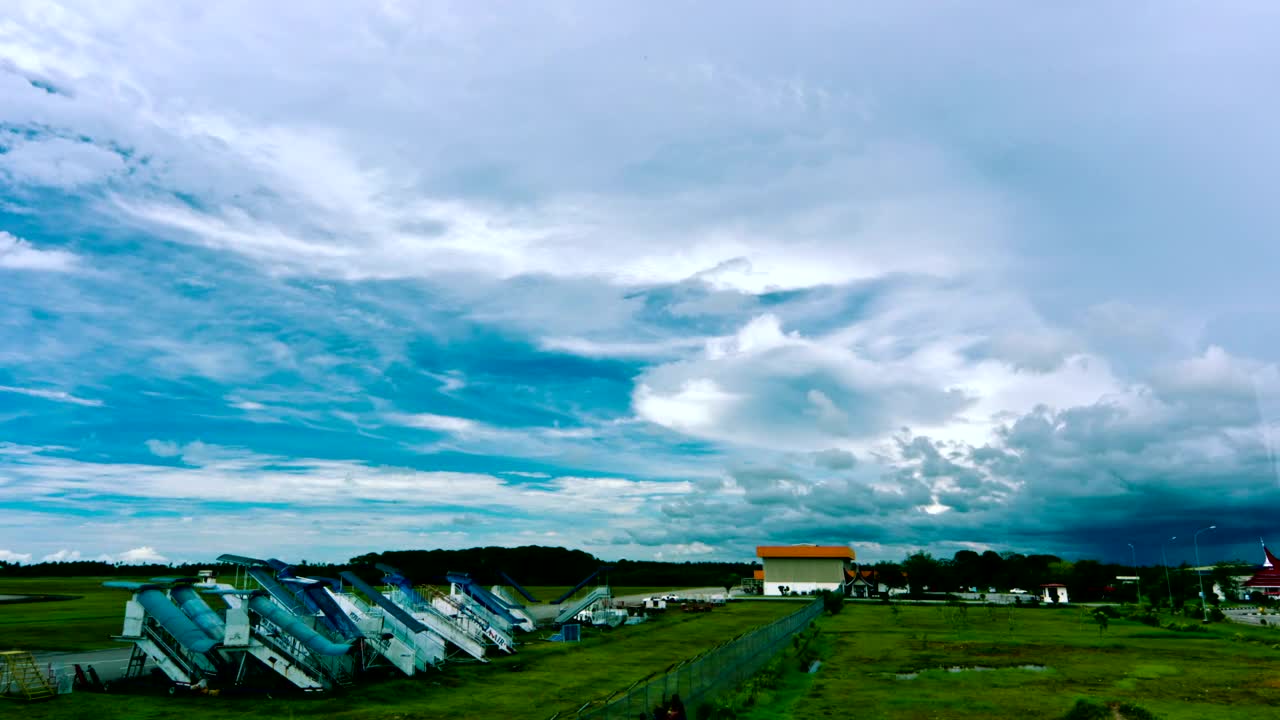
[(804, 568)]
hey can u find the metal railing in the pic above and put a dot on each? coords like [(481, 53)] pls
[(704, 676)]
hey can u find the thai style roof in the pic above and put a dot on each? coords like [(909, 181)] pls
[(1269, 575)]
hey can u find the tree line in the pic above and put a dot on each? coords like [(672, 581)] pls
[(1086, 580), (528, 565), (921, 572)]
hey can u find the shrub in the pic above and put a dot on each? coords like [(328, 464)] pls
[(832, 602), (1129, 711), (1217, 615), (715, 710), (1088, 710)]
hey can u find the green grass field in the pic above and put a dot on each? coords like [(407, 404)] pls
[(540, 680), (869, 654), (86, 623), (886, 664)]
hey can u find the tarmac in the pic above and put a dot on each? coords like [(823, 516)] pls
[(110, 664)]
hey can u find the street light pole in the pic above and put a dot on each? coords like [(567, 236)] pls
[(1195, 539), (1137, 578), (1165, 558)]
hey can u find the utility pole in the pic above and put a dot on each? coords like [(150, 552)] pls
[(1165, 558), (1137, 578), (1195, 539)]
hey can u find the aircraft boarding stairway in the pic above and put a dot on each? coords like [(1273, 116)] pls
[(598, 595)]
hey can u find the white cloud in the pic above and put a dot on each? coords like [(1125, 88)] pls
[(163, 448), (224, 474), (688, 549), (601, 349), (143, 554), (248, 405), (10, 556), (688, 185), (18, 254), (695, 407), (55, 395), (438, 423), (62, 556), (60, 163)]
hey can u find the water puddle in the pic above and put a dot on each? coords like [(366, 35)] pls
[(970, 668)]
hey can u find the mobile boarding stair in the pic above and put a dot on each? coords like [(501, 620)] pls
[(299, 624), (155, 624), (420, 645), (498, 609), (570, 611), (194, 645), (526, 622), (600, 594), (21, 679), (457, 623)]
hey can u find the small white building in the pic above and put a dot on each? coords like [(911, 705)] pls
[(803, 569), (1053, 593)]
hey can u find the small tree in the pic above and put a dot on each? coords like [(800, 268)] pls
[(832, 602), (1101, 618)]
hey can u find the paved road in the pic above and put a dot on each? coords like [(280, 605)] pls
[(1251, 616), (110, 664)]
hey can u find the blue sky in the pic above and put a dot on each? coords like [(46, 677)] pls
[(660, 281)]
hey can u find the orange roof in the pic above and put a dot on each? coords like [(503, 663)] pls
[(759, 575), (805, 551)]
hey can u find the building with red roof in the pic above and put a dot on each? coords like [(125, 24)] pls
[(1267, 580), (804, 569)]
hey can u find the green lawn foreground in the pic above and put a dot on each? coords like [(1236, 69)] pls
[(541, 679), (86, 623), (1176, 675)]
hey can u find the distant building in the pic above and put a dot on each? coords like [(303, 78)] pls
[(1053, 593), (861, 584), (804, 568)]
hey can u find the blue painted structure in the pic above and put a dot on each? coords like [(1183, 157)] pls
[(518, 587), (579, 586), (487, 600)]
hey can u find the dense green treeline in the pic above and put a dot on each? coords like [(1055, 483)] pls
[(1087, 580), (528, 565)]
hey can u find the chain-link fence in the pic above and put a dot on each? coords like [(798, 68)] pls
[(704, 676)]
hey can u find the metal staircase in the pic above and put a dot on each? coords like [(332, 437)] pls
[(137, 663), (568, 613), (21, 678)]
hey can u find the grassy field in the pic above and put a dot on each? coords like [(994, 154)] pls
[(87, 622), (541, 679), (896, 666)]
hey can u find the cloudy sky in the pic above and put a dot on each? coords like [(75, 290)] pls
[(651, 280)]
